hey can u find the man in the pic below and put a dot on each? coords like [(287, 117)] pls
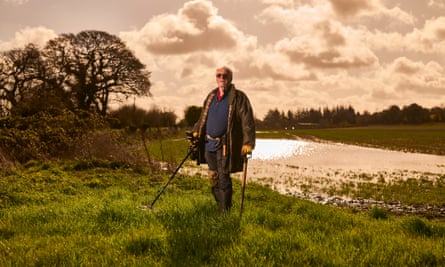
[(226, 133)]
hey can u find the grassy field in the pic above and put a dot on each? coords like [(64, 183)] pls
[(69, 215), (422, 138), (85, 214)]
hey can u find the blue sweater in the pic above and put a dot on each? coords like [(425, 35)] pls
[(217, 119)]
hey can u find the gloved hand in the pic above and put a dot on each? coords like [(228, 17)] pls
[(194, 141), (246, 149)]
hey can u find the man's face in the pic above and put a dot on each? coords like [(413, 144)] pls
[(223, 78)]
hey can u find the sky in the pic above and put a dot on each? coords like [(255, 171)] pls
[(286, 54)]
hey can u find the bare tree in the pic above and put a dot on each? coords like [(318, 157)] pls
[(84, 71), (19, 74), (95, 68)]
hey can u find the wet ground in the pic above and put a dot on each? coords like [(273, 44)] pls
[(310, 170)]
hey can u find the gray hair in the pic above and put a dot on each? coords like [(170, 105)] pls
[(228, 70)]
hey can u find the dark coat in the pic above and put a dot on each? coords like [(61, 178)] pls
[(240, 128)]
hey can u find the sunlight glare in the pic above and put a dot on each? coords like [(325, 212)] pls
[(267, 149)]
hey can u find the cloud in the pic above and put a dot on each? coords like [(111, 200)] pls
[(290, 12), (406, 75), (347, 8), (330, 58), (36, 35), (429, 39), (296, 18), (264, 63), (436, 4), (328, 45), (403, 65), (373, 9), (196, 27), (432, 32), (397, 14), (15, 2)]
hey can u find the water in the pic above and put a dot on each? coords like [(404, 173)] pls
[(303, 168), (341, 156), (269, 149), (310, 169)]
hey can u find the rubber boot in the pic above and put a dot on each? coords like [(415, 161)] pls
[(225, 202), (214, 193)]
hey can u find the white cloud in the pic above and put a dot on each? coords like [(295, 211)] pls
[(405, 66), (436, 4), (373, 9), (15, 2), (37, 35), (290, 12), (405, 75), (196, 27), (399, 15), (298, 18), (328, 44), (430, 39), (432, 34)]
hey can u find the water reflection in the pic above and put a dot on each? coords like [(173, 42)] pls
[(267, 149), (345, 157), (310, 169)]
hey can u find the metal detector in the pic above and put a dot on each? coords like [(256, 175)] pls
[(191, 151)]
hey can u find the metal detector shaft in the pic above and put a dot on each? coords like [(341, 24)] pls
[(243, 183), (170, 179)]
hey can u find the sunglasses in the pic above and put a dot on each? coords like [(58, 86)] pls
[(222, 75)]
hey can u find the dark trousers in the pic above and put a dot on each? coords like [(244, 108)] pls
[(219, 163), (222, 190)]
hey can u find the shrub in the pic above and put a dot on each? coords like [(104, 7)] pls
[(417, 226), (378, 213), (44, 135)]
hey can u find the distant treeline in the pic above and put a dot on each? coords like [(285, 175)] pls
[(343, 116)]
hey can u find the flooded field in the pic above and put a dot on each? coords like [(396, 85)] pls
[(341, 156), (293, 166), (311, 170)]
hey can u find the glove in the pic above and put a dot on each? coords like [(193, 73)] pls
[(194, 140), (246, 149)]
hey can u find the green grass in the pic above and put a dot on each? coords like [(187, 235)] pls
[(85, 213), (411, 191), (61, 215), (421, 138)]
